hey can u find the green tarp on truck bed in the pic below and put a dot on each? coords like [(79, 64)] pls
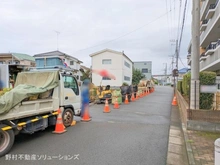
[(28, 84)]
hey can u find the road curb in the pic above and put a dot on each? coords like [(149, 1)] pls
[(189, 150), (188, 146)]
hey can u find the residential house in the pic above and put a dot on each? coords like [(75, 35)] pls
[(145, 67), (182, 72), (58, 59), (17, 59), (117, 63), (10, 65)]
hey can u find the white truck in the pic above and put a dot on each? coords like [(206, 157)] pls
[(37, 111)]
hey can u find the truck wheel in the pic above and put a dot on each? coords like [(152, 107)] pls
[(6, 140), (67, 117)]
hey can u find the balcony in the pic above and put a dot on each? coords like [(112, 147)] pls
[(212, 62), (204, 25), (205, 7), (203, 57), (211, 48), (212, 31), (211, 11)]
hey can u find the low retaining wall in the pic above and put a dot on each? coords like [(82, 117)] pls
[(200, 120)]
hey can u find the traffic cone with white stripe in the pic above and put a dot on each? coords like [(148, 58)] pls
[(116, 105), (59, 128), (106, 108), (126, 99)]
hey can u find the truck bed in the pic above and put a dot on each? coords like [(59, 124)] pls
[(31, 108)]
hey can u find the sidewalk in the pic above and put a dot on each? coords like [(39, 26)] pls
[(190, 147), (177, 154)]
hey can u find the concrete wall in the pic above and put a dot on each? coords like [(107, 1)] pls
[(199, 120)]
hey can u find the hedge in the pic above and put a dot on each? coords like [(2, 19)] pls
[(186, 84), (206, 99), (179, 86), (206, 78)]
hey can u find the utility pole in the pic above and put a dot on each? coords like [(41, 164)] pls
[(194, 89), (57, 39), (165, 74), (176, 68), (177, 58)]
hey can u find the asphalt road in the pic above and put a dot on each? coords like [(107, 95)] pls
[(135, 134)]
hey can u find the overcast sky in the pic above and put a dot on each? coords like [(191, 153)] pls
[(141, 28)]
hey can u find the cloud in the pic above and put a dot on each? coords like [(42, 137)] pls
[(88, 26)]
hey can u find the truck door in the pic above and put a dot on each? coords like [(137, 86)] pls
[(71, 92)]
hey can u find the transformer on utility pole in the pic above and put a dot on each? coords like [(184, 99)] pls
[(194, 89)]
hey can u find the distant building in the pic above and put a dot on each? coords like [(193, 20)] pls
[(10, 65), (58, 59), (182, 72), (145, 67), (163, 79), (117, 63), (17, 59)]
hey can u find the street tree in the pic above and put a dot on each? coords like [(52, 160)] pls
[(85, 75), (137, 76)]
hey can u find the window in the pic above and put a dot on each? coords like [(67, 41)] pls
[(1, 62), (126, 78), (70, 82), (49, 62), (144, 70), (53, 61), (71, 62), (106, 61), (127, 64), (40, 62), (105, 78)]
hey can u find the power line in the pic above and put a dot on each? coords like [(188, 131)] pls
[(182, 62), (179, 19), (184, 15), (125, 33)]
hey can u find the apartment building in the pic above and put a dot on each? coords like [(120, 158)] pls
[(145, 67), (117, 63), (209, 37)]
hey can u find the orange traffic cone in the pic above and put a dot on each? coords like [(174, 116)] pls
[(116, 106), (59, 128), (86, 116), (174, 102), (126, 99), (106, 108), (132, 97), (137, 96)]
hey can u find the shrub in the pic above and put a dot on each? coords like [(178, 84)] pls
[(125, 84), (186, 84), (179, 86), (206, 99), (206, 78)]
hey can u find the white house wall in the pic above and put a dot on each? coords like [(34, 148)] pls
[(115, 68), (127, 71)]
